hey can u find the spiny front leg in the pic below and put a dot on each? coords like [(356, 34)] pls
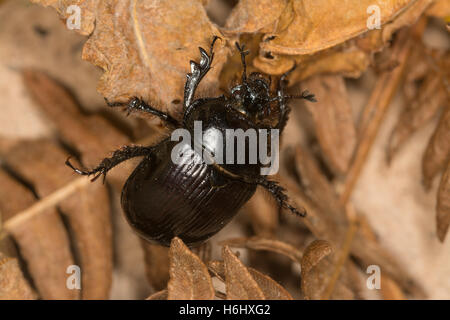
[(278, 193), (136, 104), (117, 157), (198, 71)]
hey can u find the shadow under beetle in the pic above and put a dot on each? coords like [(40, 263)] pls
[(194, 200)]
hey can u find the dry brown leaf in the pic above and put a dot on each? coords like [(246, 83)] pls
[(313, 275), (258, 243), (43, 241), (390, 290), (443, 205), (189, 277), (156, 264), (322, 24), (420, 110), (333, 120), (142, 59), (347, 60), (88, 211), (253, 15), (239, 282), (87, 7), (138, 56), (272, 290), (315, 184), (13, 285), (317, 267), (440, 9), (438, 150), (90, 135)]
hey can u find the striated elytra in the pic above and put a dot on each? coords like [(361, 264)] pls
[(193, 198)]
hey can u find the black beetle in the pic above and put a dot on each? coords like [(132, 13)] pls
[(193, 199)]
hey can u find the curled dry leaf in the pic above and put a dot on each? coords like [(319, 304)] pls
[(329, 31), (347, 60), (239, 282), (272, 290), (13, 285), (138, 56), (443, 205), (156, 264), (189, 277), (333, 120), (438, 150), (258, 243), (319, 25), (314, 273)]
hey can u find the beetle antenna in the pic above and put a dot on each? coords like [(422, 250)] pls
[(243, 54), (305, 95)]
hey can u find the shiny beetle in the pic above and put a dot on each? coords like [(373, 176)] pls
[(193, 199)]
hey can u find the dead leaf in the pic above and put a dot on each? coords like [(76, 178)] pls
[(156, 264), (189, 277), (252, 15), (272, 290), (313, 280), (333, 120), (90, 135), (417, 112), (239, 282), (315, 184), (88, 210), (321, 25), (443, 205), (440, 9), (438, 149), (43, 241), (142, 59), (346, 60), (13, 285)]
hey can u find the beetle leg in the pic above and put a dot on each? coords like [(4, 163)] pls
[(198, 71), (117, 157), (284, 109), (140, 105), (278, 192)]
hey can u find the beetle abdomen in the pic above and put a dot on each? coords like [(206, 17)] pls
[(162, 199)]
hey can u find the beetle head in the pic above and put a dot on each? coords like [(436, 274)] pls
[(252, 97)]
